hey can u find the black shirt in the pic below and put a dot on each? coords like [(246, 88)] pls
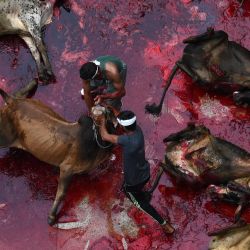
[(136, 167)]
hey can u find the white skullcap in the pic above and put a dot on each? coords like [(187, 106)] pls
[(126, 122)]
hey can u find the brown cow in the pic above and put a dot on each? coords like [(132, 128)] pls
[(34, 127)]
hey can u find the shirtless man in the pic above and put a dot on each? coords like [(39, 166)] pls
[(105, 73)]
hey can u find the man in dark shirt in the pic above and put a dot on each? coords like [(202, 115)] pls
[(136, 167)]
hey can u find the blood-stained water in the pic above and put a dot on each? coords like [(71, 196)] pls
[(148, 36)]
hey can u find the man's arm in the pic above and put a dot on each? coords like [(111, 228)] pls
[(87, 94), (113, 74), (120, 91), (105, 135)]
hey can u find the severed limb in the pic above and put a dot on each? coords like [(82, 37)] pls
[(154, 108)]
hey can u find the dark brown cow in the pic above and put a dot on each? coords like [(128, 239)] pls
[(209, 59), (34, 127), (196, 156)]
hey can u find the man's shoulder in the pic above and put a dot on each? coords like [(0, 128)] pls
[(108, 58)]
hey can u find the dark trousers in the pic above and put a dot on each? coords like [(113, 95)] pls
[(141, 200)]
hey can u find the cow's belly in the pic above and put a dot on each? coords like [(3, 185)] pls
[(11, 22), (45, 141)]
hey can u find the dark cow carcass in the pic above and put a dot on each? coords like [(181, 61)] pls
[(211, 59), (34, 127), (26, 18), (198, 157)]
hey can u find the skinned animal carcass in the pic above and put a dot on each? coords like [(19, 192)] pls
[(34, 127), (26, 18), (211, 59), (196, 156)]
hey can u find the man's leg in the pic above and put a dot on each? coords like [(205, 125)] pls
[(140, 200)]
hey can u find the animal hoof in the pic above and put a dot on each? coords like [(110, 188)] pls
[(47, 77), (153, 109), (51, 220)]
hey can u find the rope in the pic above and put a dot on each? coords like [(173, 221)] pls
[(96, 136)]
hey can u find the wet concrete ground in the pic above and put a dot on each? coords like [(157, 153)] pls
[(148, 36)]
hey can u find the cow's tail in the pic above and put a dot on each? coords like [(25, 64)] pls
[(5, 96), (156, 109)]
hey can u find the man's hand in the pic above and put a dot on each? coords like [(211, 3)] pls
[(98, 99), (102, 120), (111, 108), (104, 133)]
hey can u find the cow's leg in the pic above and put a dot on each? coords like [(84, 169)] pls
[(27, 90), (244, 195), (188, 70), (33, 26), (43, 51), (64, 180), (156, 109), (240, 208), (35, 53)]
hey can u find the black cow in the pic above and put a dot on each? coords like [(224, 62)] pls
[(209, 59), (196, 156)]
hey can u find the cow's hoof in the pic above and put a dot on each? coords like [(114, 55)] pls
[(51, 220), (153, 109), (47, 77)]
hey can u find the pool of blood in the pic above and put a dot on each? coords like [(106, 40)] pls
[(148, 36)]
